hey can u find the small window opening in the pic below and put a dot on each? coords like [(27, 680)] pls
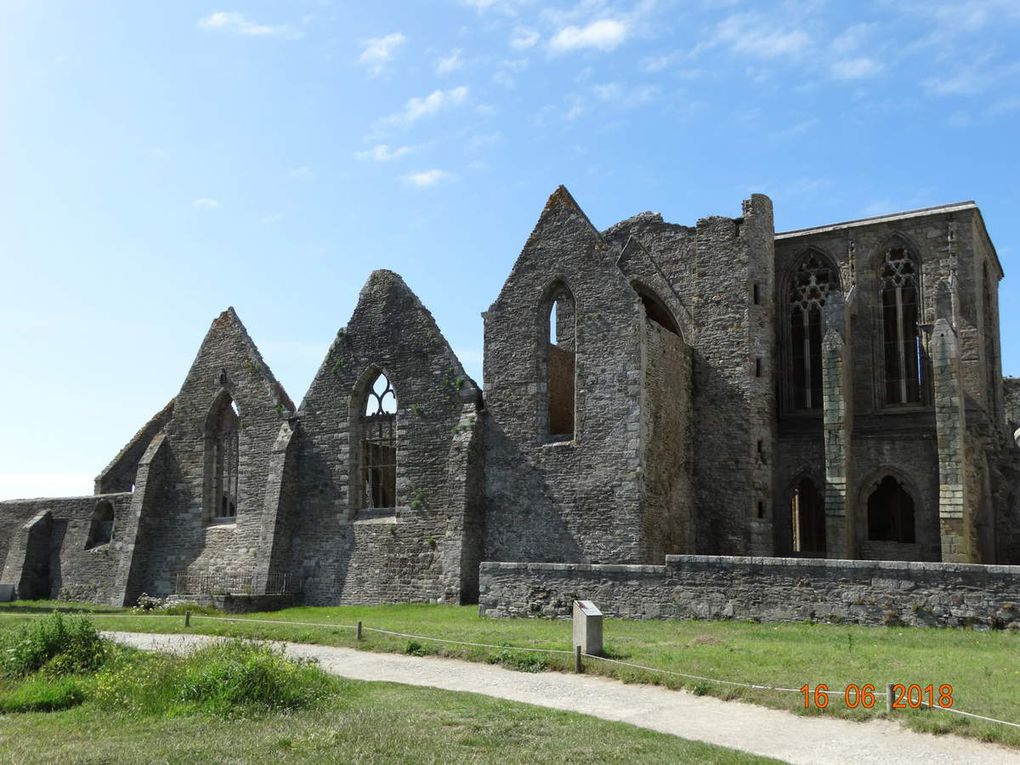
[(101, 528), (379, 446), (890, 513), (807, 515), (758, 366), (756, 293), (561, 363), (761, 450), (761, 509)]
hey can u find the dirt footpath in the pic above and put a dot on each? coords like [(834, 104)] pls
[(734, 724)]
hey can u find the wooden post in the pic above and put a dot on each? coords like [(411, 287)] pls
[(578, 667), (358, 632), (187, 618)]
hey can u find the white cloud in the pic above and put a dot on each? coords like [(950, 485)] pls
[(524, 38), (604, 35), (428, 178), (238, 24), (302, 173), (383, 153), (748, 35), (378, 51), (449, 63), (206, 203), (627, 96), (855, 68), (426, 106), (270, 219)]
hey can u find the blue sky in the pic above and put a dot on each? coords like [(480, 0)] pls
[(161, 161)]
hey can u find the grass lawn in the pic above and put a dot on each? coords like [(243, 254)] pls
[(982, 667), (245, 703)]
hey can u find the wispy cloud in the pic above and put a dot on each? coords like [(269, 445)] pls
[(449, 63), (751, 35), (425, 106), (239, 24), (855, 68), (303, 173), (206, 203), (270, 219), (428, 178), (379, 51), (524, 38), (383, 153), (604, 35), (798, 128)]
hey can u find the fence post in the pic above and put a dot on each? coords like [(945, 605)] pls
[(578, 667), (888, 698), (357, 633), (187, 618)]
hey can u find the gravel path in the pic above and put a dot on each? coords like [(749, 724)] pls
[(734, 724)]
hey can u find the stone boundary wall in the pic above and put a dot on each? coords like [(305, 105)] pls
[(762, 589)]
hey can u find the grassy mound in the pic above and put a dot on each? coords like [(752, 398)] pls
[(58, 644)]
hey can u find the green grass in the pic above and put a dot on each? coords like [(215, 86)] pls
[(983, 667), (246, 702)]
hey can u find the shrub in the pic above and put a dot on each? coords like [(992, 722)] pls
[(229, 677), (62, 644), (522, 661)]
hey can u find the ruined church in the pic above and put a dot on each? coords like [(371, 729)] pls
[(652, 389)]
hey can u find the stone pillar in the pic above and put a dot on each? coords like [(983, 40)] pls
[(950, 424), (840, 540)]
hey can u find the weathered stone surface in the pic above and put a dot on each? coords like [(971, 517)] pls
[(762, 589), (654, 415)]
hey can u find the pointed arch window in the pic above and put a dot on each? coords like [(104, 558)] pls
[(222, 455), (810, 286), (378, 456), (560, 363), (807, 518), (904, 365), (890, 512), (101, 527)]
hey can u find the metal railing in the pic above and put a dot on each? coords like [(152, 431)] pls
[(233, 584)]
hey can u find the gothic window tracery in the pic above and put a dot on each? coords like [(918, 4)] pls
[(378, 454), (812, 283), (900, 282)]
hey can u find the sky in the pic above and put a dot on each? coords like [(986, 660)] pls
[(162, 161)]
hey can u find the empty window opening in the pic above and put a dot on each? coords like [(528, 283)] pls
[(101, 528), (656, 311), (807, 515), (561, 363), (222, 439), (756, 293), (811, 285), (757, 366), (901, 335), (890, 513), (378, 466), (761, 509), (761, 450)]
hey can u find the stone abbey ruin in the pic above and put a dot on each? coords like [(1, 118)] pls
[(665, 406)]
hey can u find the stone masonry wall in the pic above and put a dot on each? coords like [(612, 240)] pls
[(179, 537), (69, 570), (762, 589), (667, 460), (347, 554)]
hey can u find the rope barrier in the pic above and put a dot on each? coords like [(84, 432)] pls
[(702, 678)]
